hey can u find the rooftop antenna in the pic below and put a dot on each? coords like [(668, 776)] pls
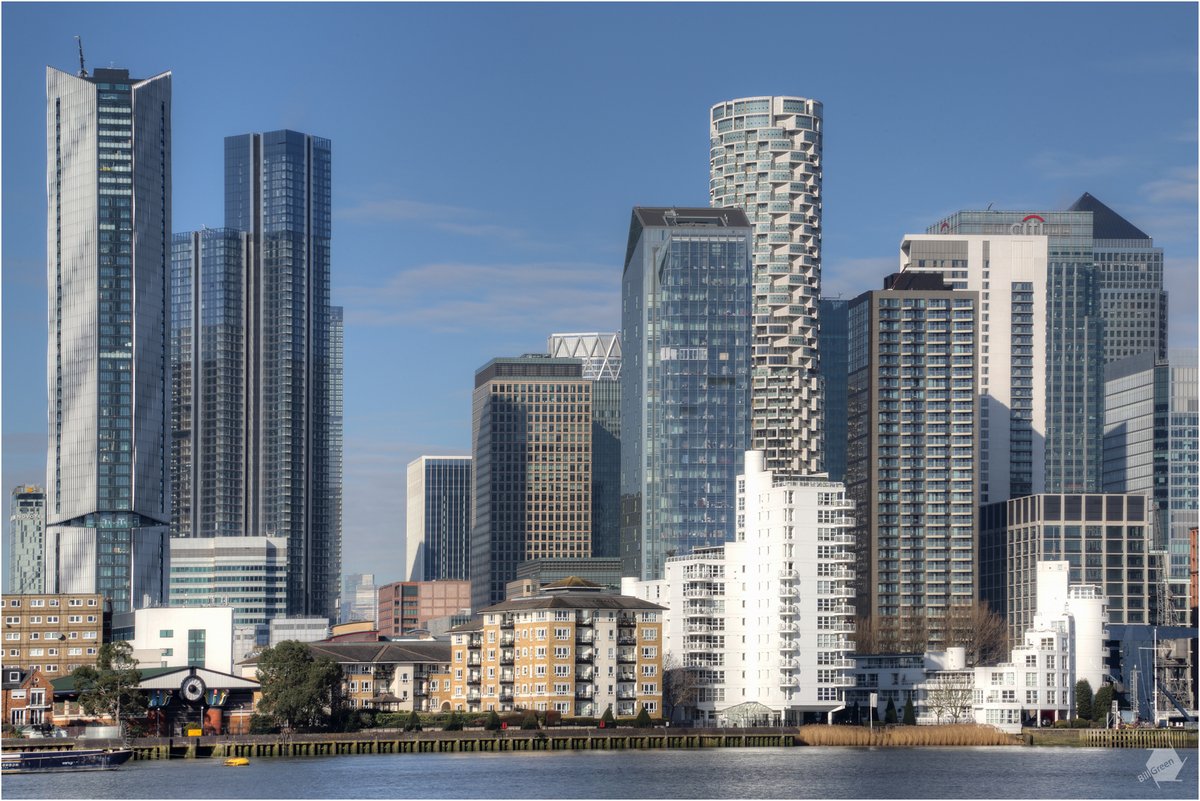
[(82, 71), (989, 208)]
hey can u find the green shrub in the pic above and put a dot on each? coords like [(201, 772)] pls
[(262, 724), (643, 719), (910, 713), (607, 718), (454, 723), (1083, 699), (530, 721), (390, 720), (493, 721), (414, 722), (889, 715)]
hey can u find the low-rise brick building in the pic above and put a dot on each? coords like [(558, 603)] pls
[(54, 633), (28, 697)]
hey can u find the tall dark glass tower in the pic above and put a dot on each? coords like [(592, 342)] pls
[(257, 348), (108, 182)]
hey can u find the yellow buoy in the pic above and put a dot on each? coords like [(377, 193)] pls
[(236, 762)]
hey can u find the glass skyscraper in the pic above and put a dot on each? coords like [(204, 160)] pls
[(685, 394), (108, 162), (765, 159), (1133, 302), (835, 354), (257, 356)]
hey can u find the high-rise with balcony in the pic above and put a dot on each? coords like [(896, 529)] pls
[(685, 332), (108, 190), (913, 454), (1009, 273), (256, 348), (765, 158), (1074, 394)]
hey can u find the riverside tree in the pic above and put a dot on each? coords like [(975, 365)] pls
[(110, 688), (910, 713), (1083, 699), (298, 689), (1102, 704)]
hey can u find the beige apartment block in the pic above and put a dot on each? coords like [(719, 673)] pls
[(53, 634), (575, 649)]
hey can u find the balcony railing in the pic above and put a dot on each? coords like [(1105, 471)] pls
[(626, 655)]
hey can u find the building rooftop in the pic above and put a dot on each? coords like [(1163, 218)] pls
[(1106, 223)]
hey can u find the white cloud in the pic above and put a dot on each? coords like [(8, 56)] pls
[(459, 297), (1179, 186), (459, 220)]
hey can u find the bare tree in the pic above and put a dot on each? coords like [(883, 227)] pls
[(982, 632), (948, 696), (680, 686)]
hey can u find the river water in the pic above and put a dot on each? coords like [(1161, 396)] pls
[(810, 772)]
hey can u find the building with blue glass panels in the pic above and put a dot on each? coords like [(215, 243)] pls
[(685, 334), (108, 163), (257, 351), (834, 356)]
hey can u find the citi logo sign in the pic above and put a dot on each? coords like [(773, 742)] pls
[(1032, 225)]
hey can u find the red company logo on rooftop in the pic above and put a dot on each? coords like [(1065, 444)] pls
[(945, 227), (1032, 224)]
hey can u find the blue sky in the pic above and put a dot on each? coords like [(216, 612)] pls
[(486, 158)]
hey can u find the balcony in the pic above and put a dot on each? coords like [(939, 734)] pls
[(474, 677), (584, 619), (626, 695), (506, 696), (473, 659), (506, 621), (584, 674), (506, 656), (421, 688), (586, 691), (476, 641), (626, 621), (787, 610), (626, 639), (585, 655), (585, 636), (626, 676), (507, 640), (507, 677), (626, 655)]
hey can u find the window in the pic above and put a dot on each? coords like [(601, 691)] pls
[(166, 634), (562, 670), (649, 653), (649, 634), (649, 689), (561, 652), (562, 634), (196, 647)]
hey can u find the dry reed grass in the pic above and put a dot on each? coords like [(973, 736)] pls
[(907, 736)]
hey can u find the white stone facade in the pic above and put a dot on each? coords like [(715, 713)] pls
[(764, 623)]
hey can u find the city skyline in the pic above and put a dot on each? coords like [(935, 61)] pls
[(417, 192)]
